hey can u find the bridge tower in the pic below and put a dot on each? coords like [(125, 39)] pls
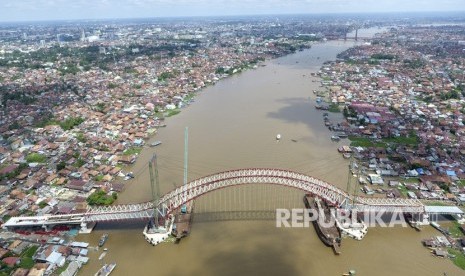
[(155, 188), (355, 187)]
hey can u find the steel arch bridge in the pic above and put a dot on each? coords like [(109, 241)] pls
[(308, 184), (196, 188)]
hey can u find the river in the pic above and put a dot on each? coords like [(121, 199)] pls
[(233, 124)]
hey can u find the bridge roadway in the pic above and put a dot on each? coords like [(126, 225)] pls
[(196, 188)]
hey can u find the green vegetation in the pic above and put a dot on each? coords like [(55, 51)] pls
[(189, 97), (101, 198), (5, 218), (410, 140), (14, 173), (60, 270), (459, 259), (14, 125), (165, 75), (42, 204), (36, 158), (384, 142), (129, 70), (412, 180), (67, 124), (79, 163), (414, 64), (132, 151), (453, 94), (455, 229), (112, 85), (81, 138), (403, 190), (100, 107), (365, 142), (334, 108), (173, 112), (99, 177), (349, 112), (20, 96), (26, 257), (61, 166), (69, 69), (383, 56), (461, 183), (71, 123), (307, 38)]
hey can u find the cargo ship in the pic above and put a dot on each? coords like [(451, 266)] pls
[(325, 225)]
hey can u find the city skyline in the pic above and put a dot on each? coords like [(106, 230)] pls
[(31, 10)]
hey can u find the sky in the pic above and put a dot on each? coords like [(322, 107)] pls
[(30, 10)]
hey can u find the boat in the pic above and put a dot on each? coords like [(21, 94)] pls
[(183, 221), (342, 135), (156, 143), (105, 270), (278, 137), (103, 239), (102, 255), (129, 175), (346, 155), (335, 138), (325, 226)]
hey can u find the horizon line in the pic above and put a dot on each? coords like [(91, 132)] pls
[(235, 15)]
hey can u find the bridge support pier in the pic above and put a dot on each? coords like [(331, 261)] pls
[(86, 227), (423, 219)]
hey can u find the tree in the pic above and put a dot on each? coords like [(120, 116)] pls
[(61, 166)]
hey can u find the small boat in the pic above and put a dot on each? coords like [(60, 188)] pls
[(346, 155), (129, 175), (106, 269), (103, 239), (156, 143), (278, 137), (335, 138), (351, 272), (294, 140), (102, 256)]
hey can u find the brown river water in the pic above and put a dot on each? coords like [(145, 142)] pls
[(232, 125)]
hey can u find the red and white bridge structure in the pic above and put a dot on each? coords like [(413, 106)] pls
[(174, 199)]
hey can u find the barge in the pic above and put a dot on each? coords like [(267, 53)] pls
[(325, 225), (183, 221)]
